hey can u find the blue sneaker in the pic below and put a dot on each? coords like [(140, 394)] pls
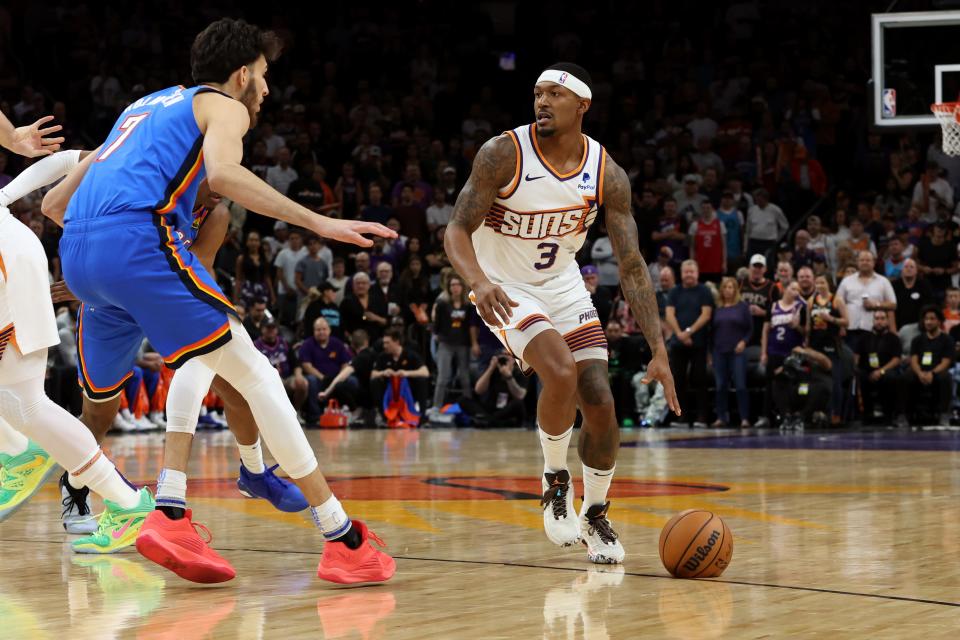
[(282, 494)]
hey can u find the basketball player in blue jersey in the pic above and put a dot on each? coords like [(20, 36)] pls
[(517, 225), (123, 255)]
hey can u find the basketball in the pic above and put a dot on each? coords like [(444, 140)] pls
[(696, 544)]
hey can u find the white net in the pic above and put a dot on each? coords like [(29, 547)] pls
[(946, 113)]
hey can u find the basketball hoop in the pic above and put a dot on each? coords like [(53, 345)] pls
[(948, 113)]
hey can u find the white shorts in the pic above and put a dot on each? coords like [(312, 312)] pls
[(16, 367), (563, 304)]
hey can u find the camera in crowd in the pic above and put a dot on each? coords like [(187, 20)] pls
[(795, 367)]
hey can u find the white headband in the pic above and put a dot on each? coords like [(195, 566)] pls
[(568, 80)]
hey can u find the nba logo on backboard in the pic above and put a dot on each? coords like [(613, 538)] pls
[(563, 77), (889, 103)]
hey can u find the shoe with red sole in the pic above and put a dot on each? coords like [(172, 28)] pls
[(176, 545), (366, 563)]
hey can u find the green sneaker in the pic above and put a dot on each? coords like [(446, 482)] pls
[(22, 476), (117, 528)]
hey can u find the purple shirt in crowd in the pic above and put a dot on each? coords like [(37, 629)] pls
[(730, 326), (278, 354), (327, 360)]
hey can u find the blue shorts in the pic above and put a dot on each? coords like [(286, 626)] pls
[(136, 278)]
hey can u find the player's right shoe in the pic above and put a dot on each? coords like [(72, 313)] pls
[(602, 542), (281, 493), (559, 517), (21, 476), (117, 528), (366, 563), (76, 517), (176, 545)]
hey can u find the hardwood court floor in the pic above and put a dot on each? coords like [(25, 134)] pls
[(836, 535)]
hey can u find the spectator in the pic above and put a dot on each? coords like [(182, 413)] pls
[(361, 263), (451, 325), (421, 193), (893, 263), (322, 304), (357, 312), (311, 270), (689, 308), (281, 175), (781, 334), (646, 213), (863, 293), (877, 363), (398, 362), (252, 280), (766, 223), (805, 280), (623, 359), (672, 231), (599, 296), (280, 239), (286, 274), (732, 326), (375, 210), (802, 388), (784, 275), (826, 318), (912, 292), (931, 191), (664, 258), (802, 254), (356, 374), (500, 392), (708, 244), (689, 197), (931, 355), (806, 172), (732, 220), (817, 241), (254, 318), (348, 191), (413, 220), (951, 309), (704, 158), (271, 140), (859, 241), (937, 259), (323, 357), (339, 279), (415, 296), (278, 352), (608, 268), (439, 212), (385, 294), (310, 190), (759, 293)]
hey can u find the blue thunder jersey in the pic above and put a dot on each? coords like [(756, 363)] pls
[(152, 162)]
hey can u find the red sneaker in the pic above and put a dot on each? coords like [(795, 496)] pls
[(366, 563), (176, 545)]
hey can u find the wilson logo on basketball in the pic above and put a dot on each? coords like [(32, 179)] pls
[(702, 553), (534, 226)]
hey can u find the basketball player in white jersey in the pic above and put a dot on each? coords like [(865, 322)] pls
[(516, 228)]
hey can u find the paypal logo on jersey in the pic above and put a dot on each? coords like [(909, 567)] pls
[(585, 182)]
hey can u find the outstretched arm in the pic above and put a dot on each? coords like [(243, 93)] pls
[(224, 122), (635, 280), (30, 141), (493, 168), (54, 204)]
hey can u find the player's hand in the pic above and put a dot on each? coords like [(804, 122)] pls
[(493, 304), (659, 370), (60, 292), (32, 141), (351, 230)]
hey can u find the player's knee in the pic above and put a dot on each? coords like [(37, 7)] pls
[(593, 388), (561, 376), (99, 416)]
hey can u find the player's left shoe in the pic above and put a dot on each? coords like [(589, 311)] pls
[(281, 493), (117, 528), (602, 542), (21, 476), (339, 563)]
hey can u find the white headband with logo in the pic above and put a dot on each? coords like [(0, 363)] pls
[(568, 80)]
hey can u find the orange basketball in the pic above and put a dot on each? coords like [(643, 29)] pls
[(696, 544)]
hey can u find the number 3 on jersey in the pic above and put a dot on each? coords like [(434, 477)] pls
[(126, 128), (549, 255)]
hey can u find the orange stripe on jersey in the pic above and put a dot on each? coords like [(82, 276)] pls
[(590, 326), (3, 267), (184, 185), (6, 335), (199, 344), (518, 169), (603, 170), (172, 246), (546, 163)]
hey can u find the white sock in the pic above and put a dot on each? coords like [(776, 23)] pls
[(12, 442), (75, 482), (331, 519), (104, 478), (252, 456), (172, 489), (554, 449), (596, 483)]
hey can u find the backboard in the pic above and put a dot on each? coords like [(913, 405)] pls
[(916, 62)]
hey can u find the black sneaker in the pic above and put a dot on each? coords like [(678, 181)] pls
[(76, 516)]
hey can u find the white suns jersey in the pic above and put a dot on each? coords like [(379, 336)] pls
[(539, 221)]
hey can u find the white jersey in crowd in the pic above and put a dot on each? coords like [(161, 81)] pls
[(539, 221)]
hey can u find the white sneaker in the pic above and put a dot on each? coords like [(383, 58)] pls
[(559, 516), (603, 545), (143, 424), (77, 517), (218, 419), (156, 417), (122, 424)]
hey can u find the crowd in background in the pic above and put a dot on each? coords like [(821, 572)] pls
[(803, 261)]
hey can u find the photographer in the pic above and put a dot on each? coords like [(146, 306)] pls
[(877, 364), (931, 355), (500, 392), (802, 387)]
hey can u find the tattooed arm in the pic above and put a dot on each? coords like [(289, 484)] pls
[(493, 168), (635, 281)]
